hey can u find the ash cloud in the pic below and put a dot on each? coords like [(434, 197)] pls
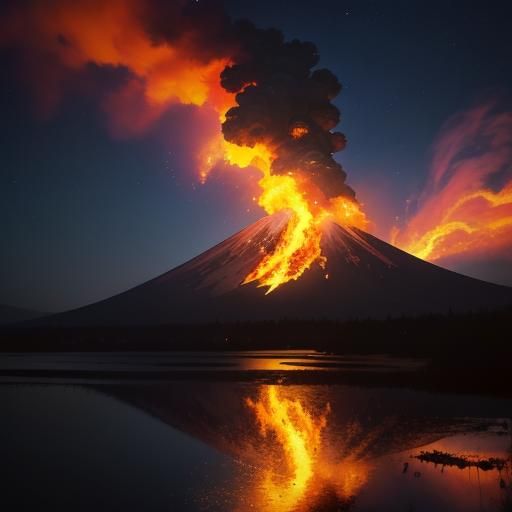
[(203, 27), (286, 105), (170, 51), (276, 88)]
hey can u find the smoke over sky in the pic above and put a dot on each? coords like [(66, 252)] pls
[(188, 53), (104, 118), (465, 209), (286, 106)]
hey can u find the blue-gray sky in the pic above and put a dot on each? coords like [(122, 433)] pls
[(85, 215)]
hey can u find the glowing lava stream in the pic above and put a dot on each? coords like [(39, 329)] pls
[(299, 244)]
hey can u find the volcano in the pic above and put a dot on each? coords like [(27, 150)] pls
[(364, 277)]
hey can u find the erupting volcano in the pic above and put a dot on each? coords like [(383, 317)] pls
[(281, 123), (360, 277), (273, 111), (274, 104)]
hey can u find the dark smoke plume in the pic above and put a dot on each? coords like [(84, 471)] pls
[(285, 105), (282, 102), (275, 85)]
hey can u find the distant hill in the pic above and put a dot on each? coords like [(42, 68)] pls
[(11, 314), (364, 278)]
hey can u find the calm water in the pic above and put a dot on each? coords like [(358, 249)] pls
[(157, 362), (118, 443)]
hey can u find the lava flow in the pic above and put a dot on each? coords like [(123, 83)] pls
[(299, 244)]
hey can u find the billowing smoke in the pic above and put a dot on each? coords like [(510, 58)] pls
[(173, 52), (285, 105), (137, 58)]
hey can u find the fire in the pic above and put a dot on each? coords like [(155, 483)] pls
[(460, 214), (348, 213), (299, 245), (298, 130), (453, 236), (299, 470), (298, 433)]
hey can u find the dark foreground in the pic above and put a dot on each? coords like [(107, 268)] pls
[(430, 335), (468, 353), (270, 431)]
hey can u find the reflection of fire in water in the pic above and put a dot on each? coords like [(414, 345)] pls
[(299, 435), (300, 478)]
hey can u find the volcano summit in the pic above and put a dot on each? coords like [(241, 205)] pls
[(363, 277)]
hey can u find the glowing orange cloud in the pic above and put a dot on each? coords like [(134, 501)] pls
[(466, 208), (70, 36)]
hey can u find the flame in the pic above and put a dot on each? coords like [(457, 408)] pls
[(299, 130), (459, 214), (348, 213), (452, 236), (299, 245), (298, 473), (299, 435)]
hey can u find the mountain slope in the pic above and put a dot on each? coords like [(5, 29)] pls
[(364, 277), (11, 314)]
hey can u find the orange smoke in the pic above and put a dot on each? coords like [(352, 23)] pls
[(466, 208), (75, 35)]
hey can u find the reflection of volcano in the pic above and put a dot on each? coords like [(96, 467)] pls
[(318, 447), (371, 422), (363, 277)]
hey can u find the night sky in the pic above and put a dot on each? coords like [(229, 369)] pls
[(86, 215)]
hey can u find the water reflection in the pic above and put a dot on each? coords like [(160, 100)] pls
[(156, 363), (302, 469), (293, 436), (438, 486), (237, 446), (312, 448)]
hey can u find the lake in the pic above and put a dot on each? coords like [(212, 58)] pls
[(244, 431)]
